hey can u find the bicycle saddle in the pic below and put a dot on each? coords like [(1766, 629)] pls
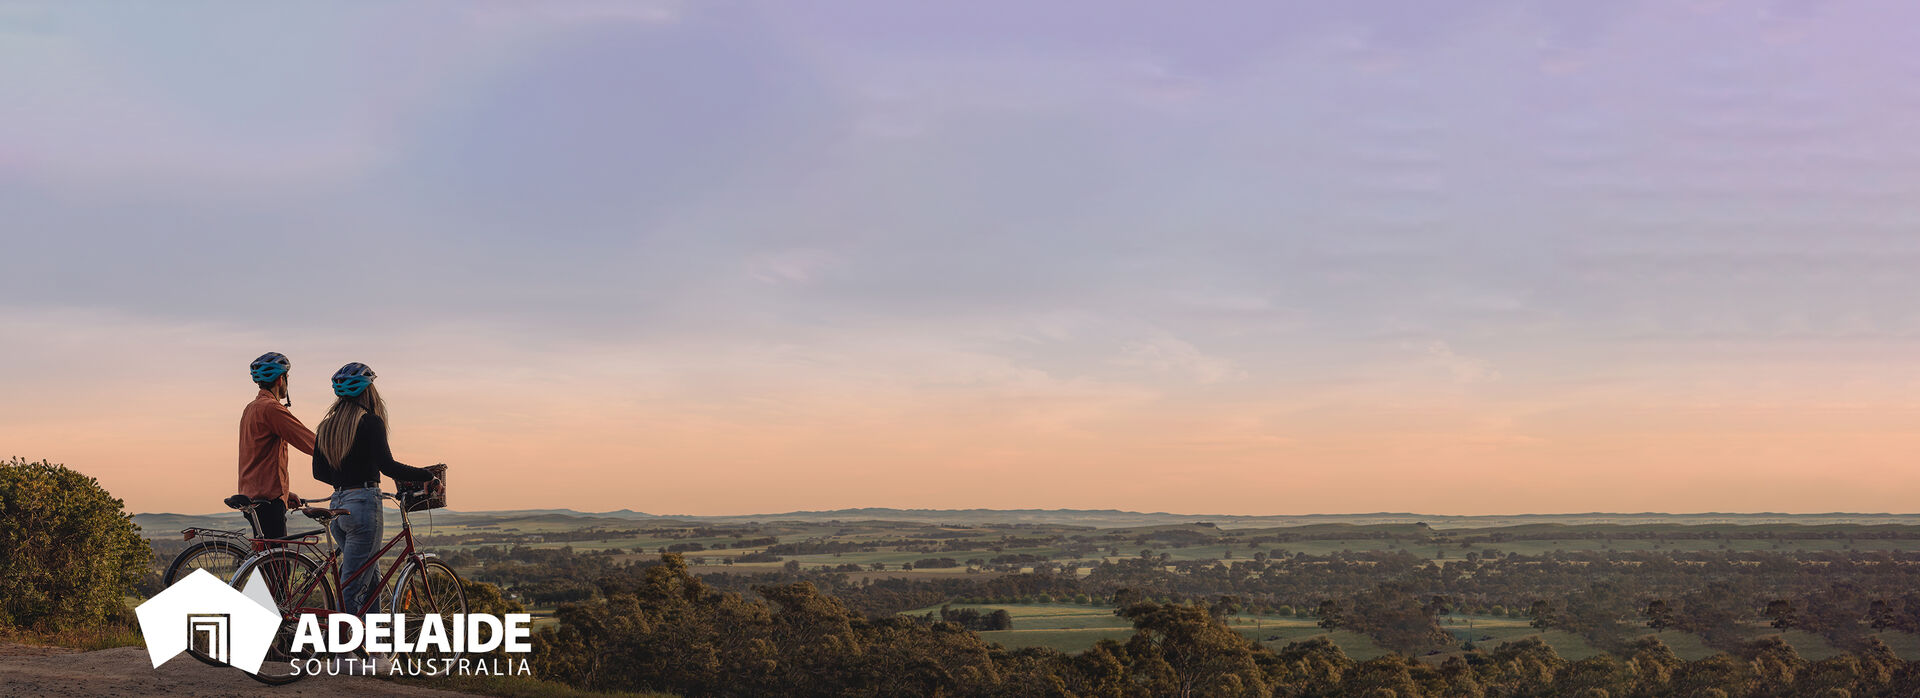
[(322, 514), (239, 501)]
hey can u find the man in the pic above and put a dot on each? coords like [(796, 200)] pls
[(267, 427)]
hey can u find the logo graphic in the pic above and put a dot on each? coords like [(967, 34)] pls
[(236, 627), (214, 627)]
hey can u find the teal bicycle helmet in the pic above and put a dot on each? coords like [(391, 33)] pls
[(352, 379), (269, 367)]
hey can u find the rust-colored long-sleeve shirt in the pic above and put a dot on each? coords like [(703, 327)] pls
[(266, 429)]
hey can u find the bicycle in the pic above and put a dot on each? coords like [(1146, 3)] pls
[(425, 585), (221, 552)]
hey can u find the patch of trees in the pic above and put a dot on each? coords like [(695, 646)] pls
[(1016, 559), (1394, 616), (973, 619), (1176, 537), (1034, 542), (1681, 532), (540, 576), (968, 544), (890, 595), (1603, 596), (944, 535), (504, 537), (661, 629), (694, 532), (829, 547)]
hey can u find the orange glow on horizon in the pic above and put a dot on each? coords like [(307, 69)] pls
[(595, 454)]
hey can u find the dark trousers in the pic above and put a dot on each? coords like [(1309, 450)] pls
[(271, 518)]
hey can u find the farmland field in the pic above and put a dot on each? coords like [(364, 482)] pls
[(1068, 577)]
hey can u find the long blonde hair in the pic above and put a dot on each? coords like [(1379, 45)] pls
[(334, 438)]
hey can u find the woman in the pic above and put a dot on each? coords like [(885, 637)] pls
[(350, 452)]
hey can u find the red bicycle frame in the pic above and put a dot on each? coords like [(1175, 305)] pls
[(331, 566)]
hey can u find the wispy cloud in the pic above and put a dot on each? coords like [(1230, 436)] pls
[(1167, 354), (1463, 369)]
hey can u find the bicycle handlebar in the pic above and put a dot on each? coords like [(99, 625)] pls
[(305, 501)]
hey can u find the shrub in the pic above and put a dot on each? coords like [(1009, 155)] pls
[(486, 598), (68, 550)]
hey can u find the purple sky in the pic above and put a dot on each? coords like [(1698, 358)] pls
[(1558, 249)]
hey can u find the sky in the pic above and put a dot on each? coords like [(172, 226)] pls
[(746, 257)]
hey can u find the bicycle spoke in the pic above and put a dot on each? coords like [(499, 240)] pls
[(429, 589)]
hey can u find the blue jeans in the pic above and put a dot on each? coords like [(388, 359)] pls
[(359, 535)]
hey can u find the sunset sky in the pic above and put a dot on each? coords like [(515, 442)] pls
[(742, 257)]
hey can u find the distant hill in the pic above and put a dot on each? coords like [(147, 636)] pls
[(1114, 518), (166, 524)]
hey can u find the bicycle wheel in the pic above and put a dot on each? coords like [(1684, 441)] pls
[(287, 575), (219, 557), (426, 586)]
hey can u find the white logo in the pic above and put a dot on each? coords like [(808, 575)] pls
[(235, 626)]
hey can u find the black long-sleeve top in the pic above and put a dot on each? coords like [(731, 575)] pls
[(369, 457)]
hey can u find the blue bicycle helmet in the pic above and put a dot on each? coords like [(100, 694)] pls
[(269, 367), (352, 379)]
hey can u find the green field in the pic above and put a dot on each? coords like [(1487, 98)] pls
[(1903, 644), (1072, 628)]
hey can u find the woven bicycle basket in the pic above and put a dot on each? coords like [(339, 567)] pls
[(416, 497)]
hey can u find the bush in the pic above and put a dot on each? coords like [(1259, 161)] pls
[(666, 630), (486, 598), (68, 550)]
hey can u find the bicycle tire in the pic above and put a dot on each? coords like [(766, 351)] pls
[(177, 569), (426, 585), (280, 584), (206, 550)]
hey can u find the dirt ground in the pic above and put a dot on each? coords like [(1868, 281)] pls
[(27, 670)]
